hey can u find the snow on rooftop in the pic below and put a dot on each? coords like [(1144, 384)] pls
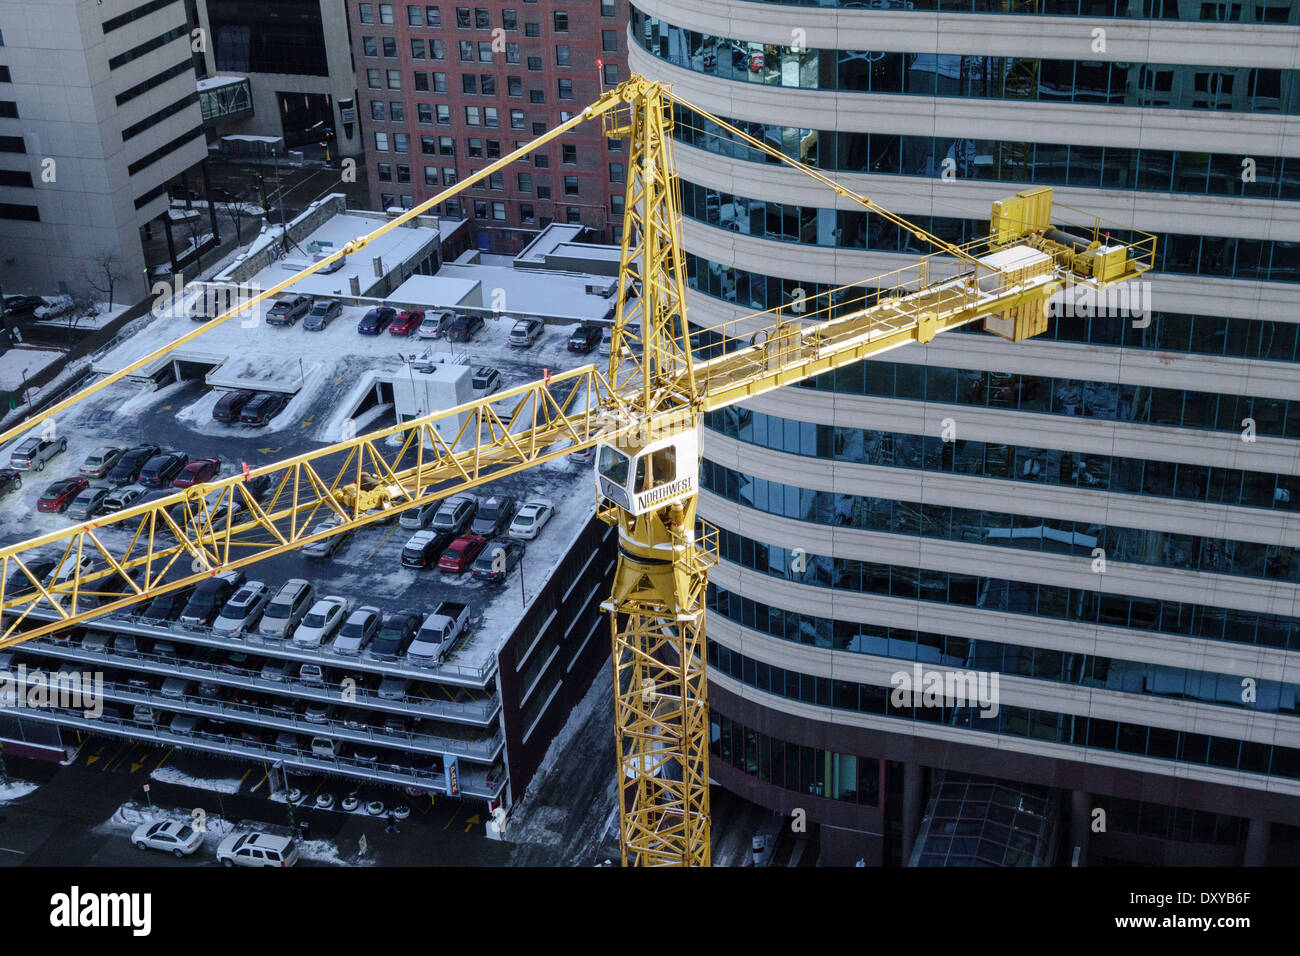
[(439, 291), (16, 360), (552, 295), (215, 82)]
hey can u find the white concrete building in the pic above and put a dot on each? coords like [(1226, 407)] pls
[(858, 543), (98, 112)]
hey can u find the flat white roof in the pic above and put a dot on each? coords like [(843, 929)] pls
[(214, 82), (439, 290), (556, 295)]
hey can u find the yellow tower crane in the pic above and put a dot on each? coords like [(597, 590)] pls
[(642, 414)]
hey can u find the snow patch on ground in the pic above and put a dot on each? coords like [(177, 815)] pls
[(15, 790), (15, 360), (174, 776)]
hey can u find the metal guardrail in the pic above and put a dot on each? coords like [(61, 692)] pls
[(472, 783), (478, 712)]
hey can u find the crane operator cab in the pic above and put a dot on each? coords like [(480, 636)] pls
[(646, 477)]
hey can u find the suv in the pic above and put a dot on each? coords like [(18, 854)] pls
[(242, 610), (264, 407), (525, 333), (286, 609), (257, 849), (159, 470), (288, 310), (128, 466), (455, 514), (208, 599), (486, 380), (35, 452), (425, 548), (465, 328), (230, 405)]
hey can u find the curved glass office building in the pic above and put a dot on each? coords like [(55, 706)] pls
[(1079, 551)]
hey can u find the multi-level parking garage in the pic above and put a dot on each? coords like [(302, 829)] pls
[(475, 722)]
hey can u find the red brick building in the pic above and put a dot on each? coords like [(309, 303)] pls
[(444, 89)]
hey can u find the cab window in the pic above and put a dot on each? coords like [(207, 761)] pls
[(655, 469)]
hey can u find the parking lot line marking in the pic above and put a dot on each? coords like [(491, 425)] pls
[(245, 776), (382, 540), (453, 817), (5, 849), (165, 757), (265, 776)]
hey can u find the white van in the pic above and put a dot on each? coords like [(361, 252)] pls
[(143, 714), (325, 747)]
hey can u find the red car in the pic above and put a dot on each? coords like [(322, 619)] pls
[(406, 323), (460, 554), (59, 495), (197, 471)]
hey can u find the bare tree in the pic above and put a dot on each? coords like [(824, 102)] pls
[(105, 273), (81, 304), (196, 233), (236, 208)]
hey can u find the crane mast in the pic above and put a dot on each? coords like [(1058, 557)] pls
[(642, 414)]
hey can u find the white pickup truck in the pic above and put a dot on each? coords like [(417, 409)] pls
[(439, 632)]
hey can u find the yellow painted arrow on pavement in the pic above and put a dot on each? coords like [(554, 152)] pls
[(471, 821), (137, 766), (91, 759)]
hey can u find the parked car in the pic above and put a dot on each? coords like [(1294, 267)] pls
[(585, 338), (460, 554), (486, 380), (197, 471), (231, 404), (263, 407), (531, 519), (497, 560), (395, 636), (127, 469), (18, 583), (159, 470), (243, 608), (376, 320), (168, 607), (493, 516), (121, 498), (101, 461), (322, 314), (357, 631), (435, 324), (455, 514), (288, 310), (464, 328), (406, 322), (33, 453), (10, 481), (208, 599), (273, 670), (88, 503), (58, 496), (286, 609), (257, 849), (413, 519), (393, 688), (438, 632), (327, 546), (16, 305), (526, 332), (178, 839), (321, 622)]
